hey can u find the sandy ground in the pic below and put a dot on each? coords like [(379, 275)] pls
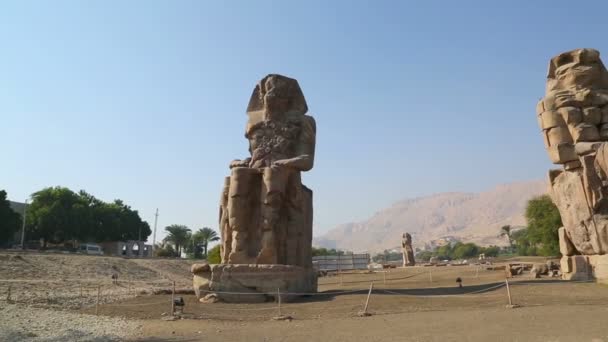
[(19, 323), (538, 323), (71, 281), (414, 304)]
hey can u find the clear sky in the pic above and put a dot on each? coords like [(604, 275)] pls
[(145, 100)]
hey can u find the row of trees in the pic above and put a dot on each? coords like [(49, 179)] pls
[(321, 251), (58, 214), (459, 250), (10, 221), (180, 239)]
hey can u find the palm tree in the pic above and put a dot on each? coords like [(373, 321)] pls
[(506, 231), (178, 236), (203, 236)]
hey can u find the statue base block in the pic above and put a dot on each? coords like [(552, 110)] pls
[(585, 267), (244, 283)]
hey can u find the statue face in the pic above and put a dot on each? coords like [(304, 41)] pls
[(578, 68), (276, 99)]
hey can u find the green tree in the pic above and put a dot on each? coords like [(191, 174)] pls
[(58, 214), (523, 246), (445, 251), (320, 251), (53, 215), (491, 251), (10, 221), (178, 235), (213, 257), (543, 222), (465, 250), (506, 231), (201, 239), (424, 256)]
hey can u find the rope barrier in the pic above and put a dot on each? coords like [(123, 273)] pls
[(440, 296), (286, 293), (136, 304), (80, 280)]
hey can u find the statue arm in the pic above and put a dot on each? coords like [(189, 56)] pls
[(241, 163), (305, 150)]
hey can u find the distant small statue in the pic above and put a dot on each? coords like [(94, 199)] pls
[(408, 251)]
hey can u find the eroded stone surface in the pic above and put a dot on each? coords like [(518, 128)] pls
[(577, 267), (265, 215), (265, 211), (573, 116), (259, 283)]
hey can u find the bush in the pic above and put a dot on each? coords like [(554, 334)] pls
[(424, 256), (214, 257), (164, 252)]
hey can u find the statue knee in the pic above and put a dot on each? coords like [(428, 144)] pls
[(273, 199)]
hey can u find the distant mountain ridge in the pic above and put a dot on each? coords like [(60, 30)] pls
[(469, 217)]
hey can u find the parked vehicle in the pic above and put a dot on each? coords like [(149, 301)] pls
[(90, 248)]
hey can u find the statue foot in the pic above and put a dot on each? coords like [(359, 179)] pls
[(266, 256)]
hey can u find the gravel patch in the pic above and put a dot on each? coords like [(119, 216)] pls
[(21, 323)]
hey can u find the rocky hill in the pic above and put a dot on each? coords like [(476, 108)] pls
[(470, 217)]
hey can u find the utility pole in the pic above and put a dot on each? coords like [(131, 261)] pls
[(154, 236), (23, 226)]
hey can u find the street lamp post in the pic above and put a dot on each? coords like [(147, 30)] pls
[(23, 226)]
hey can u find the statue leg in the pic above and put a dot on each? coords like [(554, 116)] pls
[(226, 232), (273, 199), (240, 212), (295, 244)]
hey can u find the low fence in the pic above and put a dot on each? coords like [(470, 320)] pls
[(347, 295), (341, 262)]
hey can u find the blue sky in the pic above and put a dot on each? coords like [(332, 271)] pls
[(145, 100)]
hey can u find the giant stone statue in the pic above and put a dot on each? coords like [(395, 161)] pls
[(573, 117), (265, 210)]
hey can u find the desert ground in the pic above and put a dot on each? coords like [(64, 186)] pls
[(53, 298)]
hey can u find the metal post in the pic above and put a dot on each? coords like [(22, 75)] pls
[(339, 269), (369, 294), (8, 294), (97, 303), (509, 292), (154, 236), (279, 300), (23, 226), (173, 299)]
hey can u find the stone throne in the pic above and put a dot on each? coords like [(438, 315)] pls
[(573, 117), (265, 214)]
